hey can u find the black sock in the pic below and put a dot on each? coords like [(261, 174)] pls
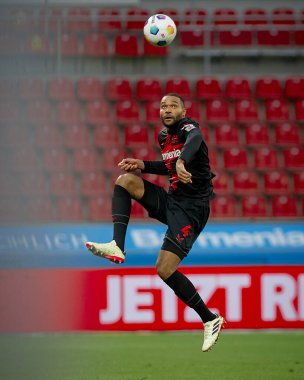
[(121, 209), (185, 290)]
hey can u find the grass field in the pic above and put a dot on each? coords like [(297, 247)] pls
[(157, 356)]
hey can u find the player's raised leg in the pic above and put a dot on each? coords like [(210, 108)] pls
[(127, 186)]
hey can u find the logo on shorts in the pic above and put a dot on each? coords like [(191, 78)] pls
[(185, 232)]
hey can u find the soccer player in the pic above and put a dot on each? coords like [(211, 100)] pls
[(184, 208)]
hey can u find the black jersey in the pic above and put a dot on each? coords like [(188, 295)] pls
[(184, 140)]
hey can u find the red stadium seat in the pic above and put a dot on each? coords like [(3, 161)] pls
[(126, 45), (86, 159), (31, 89), (274, 37), (39, 112), (268, 88), (294, 87), (25, 160), (287, 134), (294, 157), (159, 180), (194, 16), (148, 89), (283, 16), (193, 109), (299, 110), (235, 158), (127, 111), (192, 38), (146, 153), (254, 206), (76, 136), (92, 184), (40, 209), (95, 45), (298, 182), (118, 88), (238, 88), (299, 37), (69, 45), (152, 112), (246, 110), (217, 110), (225, 16), (106, 135), (68, 112), (245, 182), (235, 37), (150, 50), (89, 88), (69, 209), (79, 20), (97, 112), (226, 135), (255, 16), (179, 85), (109, 19), (112, 156), (277, 110), (33, 184), (47, 135), (266, 158), (276, 182), (284, 206), (223, 207), (206, 133), (136, 135), (61, 89), (62, 184), (208, 88), (99, 208), (221, 183), (214, 160), (136, 18), (257, 134), (55, 160)]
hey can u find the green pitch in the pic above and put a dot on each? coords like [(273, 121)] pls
[(157, 356)]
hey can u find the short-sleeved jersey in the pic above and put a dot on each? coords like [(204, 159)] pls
[(184, 140)]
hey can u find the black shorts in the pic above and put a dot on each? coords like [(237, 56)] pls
[(185, 217)]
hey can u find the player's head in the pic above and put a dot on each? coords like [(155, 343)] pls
[(172, 109)]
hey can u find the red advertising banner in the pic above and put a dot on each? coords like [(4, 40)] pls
[(127, 299)]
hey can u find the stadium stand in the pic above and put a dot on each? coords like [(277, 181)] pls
[(75, 122)]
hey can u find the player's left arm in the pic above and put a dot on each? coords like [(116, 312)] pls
[(193, 141)]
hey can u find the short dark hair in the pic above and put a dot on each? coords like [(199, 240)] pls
[(177, 96)]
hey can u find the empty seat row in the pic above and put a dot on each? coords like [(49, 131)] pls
[(98, 208), (92, 159), (152, 88), (131, 111), (96, 183), (114, 19), (73, 136)]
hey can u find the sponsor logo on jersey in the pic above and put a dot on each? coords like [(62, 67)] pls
[(172, 154)]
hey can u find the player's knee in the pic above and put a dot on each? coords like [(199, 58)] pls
[(164, 271), (132, 183)]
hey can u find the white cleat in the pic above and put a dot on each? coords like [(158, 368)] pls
[(109, 251), (212, 331)]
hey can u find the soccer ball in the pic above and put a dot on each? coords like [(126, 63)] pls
[(160, 30)]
